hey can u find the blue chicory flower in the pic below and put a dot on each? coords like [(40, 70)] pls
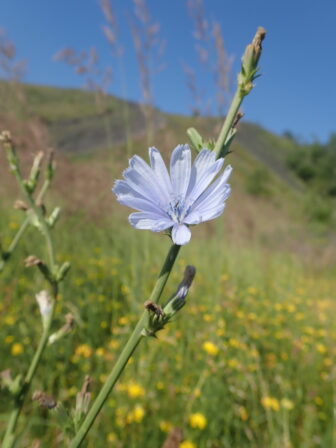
[(185, 197)]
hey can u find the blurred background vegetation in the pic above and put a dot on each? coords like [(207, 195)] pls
[(250, 362)]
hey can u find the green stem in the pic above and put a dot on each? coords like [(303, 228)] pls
[(228, 123), (127, 351), (9, 439), (22, 229), (38, 212)]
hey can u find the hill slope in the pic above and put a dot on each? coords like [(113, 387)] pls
[(268, 202)]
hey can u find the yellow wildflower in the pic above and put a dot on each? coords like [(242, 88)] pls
[(197, 420), (187, 444), (138, 413), (165, 426), (134, 390), (111, 437), (17, 349), (270, 403), (287, 404), (84, 350), (210, 348), (9, 320), (321, 348), (243, 413), (123, 320), (100, 351)]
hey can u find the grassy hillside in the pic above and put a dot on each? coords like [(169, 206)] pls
[(93, 149), (248, 363)]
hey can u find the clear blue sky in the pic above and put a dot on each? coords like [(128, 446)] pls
[(297, 90)]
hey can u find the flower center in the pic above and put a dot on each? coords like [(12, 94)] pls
[(176, 210)]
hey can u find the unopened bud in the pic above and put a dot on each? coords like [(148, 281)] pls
[(44, 400), (7, 142), (250, 62), (35, 172), (158, 317), (32, 261), (20, 205), (45, 304), (63, 331), (257, 43), (53, 218), (83, 400), (63, 270), (50, 170), (6, 138)]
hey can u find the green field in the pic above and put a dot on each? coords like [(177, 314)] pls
[(249, 361)]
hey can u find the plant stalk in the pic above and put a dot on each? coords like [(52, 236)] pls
[(9, 439), (228, 122), (127, 351), (22, 229)]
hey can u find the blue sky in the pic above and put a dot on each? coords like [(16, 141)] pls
[(296, 91)]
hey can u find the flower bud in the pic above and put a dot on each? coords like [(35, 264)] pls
[(63, 270), (158, 317), (250, 62), (45, 304), (63, 331), (83, 399), (35, 172), (50, 170), (20, 205), (53, 218)]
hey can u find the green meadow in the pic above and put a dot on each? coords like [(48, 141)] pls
[(248, 362)]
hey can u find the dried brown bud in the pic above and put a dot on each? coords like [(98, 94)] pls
[(83, 398), (239, 116), (20, 205), (257, 40), (44, 400), (6, 138), (86, 385), (69, 322), (32, 261), (154, 308)]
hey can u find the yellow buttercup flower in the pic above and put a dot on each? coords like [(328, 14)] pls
[(84, 350), (187, 444), (17, 349), (138, 413), (134, 390), (210, 348), (270, 403), (197, 420)]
